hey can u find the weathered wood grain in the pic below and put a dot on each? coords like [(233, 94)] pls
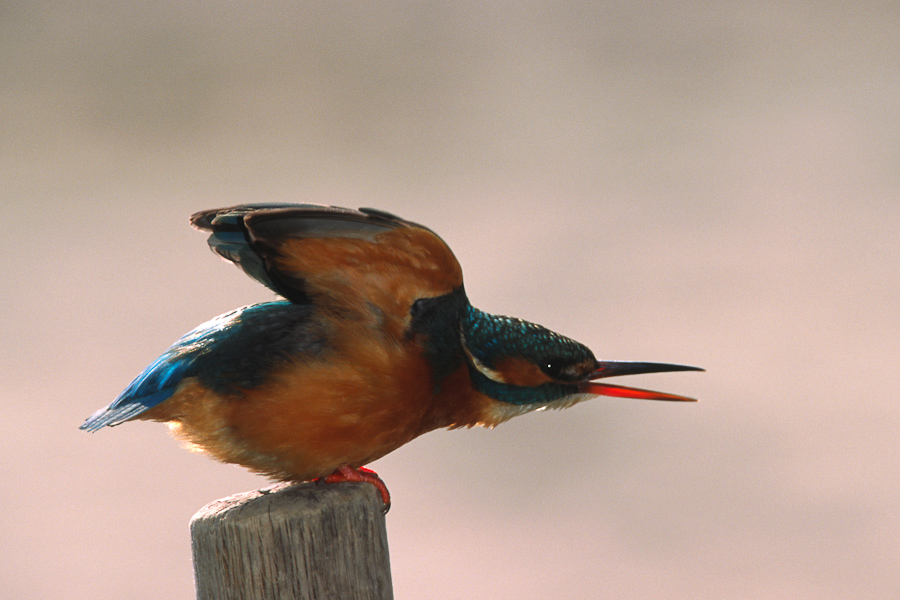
[(292, 542)]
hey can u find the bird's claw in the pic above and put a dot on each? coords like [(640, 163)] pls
[(364, 475)]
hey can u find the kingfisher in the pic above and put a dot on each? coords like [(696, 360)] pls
[(372, 343)]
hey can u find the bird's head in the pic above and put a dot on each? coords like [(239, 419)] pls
[(525, 366)]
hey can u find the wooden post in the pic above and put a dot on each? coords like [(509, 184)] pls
[(293, 542)]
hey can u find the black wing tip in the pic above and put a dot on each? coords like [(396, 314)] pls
[(217, 218), (380, 214), (276, 217), (230, 218)]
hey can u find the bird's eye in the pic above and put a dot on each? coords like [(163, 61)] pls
[(561, 370)]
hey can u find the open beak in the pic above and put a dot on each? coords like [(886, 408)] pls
[(616, 368)]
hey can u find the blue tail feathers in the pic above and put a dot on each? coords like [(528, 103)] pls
[(160, 380), (227, 354)]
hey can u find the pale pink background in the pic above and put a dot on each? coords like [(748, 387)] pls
[(707, 183)]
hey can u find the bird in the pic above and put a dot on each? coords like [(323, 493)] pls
[(371, 343)]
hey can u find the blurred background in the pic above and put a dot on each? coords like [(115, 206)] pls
[(702, 183)]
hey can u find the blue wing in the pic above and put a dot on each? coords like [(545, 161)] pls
[(229, 353)]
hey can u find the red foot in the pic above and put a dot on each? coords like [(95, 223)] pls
[(364, 475)]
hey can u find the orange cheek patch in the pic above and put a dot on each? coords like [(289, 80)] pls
[(522, 372)]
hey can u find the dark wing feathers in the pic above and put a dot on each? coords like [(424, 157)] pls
[(229, 236), (265, 241), (247, 234)]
